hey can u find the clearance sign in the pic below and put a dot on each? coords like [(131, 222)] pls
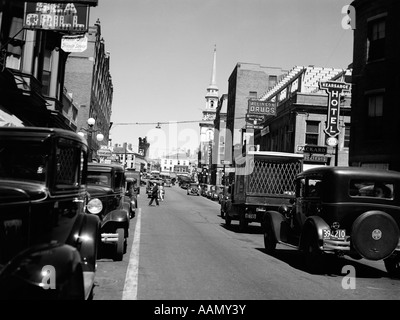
[(334, 89)]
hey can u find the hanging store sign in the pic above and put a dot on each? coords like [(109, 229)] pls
[(314, 158), (255, 118), (334, 89), (258, 107), (104, 153), (70, 17), (74, 43), (312, 149)]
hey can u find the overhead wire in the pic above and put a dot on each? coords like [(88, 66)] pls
[(160, 123)]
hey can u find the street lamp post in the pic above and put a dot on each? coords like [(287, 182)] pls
[(90, 131)]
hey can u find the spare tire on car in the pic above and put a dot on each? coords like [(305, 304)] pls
[(375, 235)]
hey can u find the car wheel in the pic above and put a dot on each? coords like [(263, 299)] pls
[(119, 249), (375, 235), (222, 212), (313, 256), (228, 220), (242, 223), (392, 265), (269, 238), (74, 288)]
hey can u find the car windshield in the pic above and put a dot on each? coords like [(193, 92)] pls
[(23, 161), (99, 178)]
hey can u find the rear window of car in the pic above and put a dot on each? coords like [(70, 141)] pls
[(371, 189)]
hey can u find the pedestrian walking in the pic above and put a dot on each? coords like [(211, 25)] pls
[(161, 192), (154, 195)]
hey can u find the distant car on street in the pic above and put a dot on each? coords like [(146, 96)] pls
[(193, 189), (184, 184), (167, 182), (215, 192)]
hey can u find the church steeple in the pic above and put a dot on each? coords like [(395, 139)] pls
[(213, 84), (212, 89)]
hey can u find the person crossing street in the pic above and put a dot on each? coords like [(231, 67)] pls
[(154, 195)]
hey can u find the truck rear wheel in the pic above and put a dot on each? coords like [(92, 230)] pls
[(228, 220), (242, 223), (313, 256), (269, 238), (222, 213)]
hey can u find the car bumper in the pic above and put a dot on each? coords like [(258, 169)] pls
[(342, 245)]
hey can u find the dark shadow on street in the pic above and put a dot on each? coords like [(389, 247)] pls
[(250, 229), (333, 265)]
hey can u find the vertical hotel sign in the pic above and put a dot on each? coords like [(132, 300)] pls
[(334, 89), (71, 17)]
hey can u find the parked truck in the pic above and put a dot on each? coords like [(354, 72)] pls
[(264, 180)]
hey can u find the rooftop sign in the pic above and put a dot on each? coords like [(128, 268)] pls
[(92, 3), (56, 16)]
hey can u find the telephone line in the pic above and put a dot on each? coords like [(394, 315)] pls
[(159, 123)]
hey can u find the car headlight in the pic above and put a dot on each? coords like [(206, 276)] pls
[(94, 206)]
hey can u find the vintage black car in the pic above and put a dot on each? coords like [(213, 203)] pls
[(132, 189), (349, 211), (193, 189), (106, 187), (48, 244)]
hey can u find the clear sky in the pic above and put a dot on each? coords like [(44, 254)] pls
[(162, 55)]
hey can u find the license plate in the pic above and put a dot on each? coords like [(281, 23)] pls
[(251, 216), (338, 234)]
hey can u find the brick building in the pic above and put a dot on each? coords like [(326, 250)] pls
[(247, 81), (89, 83), (375, 129), (301, 117)]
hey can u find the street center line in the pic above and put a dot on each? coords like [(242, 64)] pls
[(132, 272)]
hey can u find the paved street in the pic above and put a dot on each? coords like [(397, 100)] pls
[(182, 250)]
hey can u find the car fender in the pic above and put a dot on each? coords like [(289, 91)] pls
[(116, 219), (275, 219), (89, 240), (40, 272), (126, 204), (315, 225)]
